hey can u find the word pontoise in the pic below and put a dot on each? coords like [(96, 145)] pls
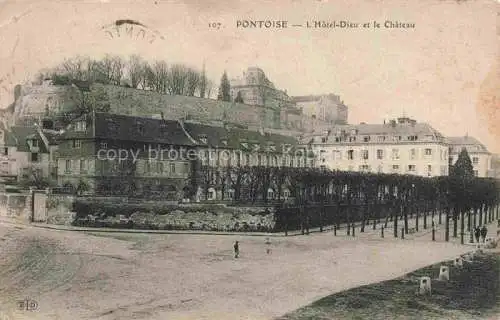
[(268, 24)]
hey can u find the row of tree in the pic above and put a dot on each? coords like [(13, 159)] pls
[(360, 196), (135, 72)]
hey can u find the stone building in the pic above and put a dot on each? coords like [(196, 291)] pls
[(401, 147), (328, 108), (24, 149), (256, 89), (480, 156), (111, 154)]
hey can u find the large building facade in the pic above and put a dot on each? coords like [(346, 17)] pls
[(328, 108), (480, 156), (256, 89), (111, 154), (401, 146)]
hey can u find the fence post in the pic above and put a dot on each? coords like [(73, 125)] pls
[(334, 230), (382, 231), (402, 232), (353, 229), (433, 233)]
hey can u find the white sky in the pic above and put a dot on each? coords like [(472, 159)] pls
[(446, 71)]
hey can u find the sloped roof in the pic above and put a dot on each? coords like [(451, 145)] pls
[(235, 137), (388, 129), (121, 127), (471, 144), (22, 134)]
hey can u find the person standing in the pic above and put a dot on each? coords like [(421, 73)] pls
[(484, 232), (236, 250), (268, 246), (477, 233)]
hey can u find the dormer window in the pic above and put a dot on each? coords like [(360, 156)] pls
[(224, 142), (140, 127), (34, 143), (203, 138), (81, 126)]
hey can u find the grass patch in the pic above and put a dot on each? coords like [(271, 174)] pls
[(472, 290)]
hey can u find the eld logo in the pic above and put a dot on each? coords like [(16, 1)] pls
[(27, 305)]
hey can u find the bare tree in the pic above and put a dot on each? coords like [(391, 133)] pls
[(177, 79), (193, 81), (203, 82), (136, 71)]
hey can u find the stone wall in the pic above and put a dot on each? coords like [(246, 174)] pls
[(15, 205), (33, 102), (60, 209)]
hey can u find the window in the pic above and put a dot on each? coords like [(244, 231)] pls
[(364, 168), (366, 139), (395, 154), (299, 162), (429, 170), (380, 169), (238, 159), (172, 168), (412, 168), (476, 174), (83, 166), (140, 127), (67, 167), (350, 154), (34, 143), (81, 126), (428, 152), (395, 168), (186, 167), (6, 151), (159, 167), (380, 154), (34, 157), (247, 159), (104, 145), (311, 163), (147, 167), (413, 154), (381, 138), (475, 160), (323, 140), (259, 160), (364, 154), (77, 144)]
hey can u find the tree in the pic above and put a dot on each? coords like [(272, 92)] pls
[(34, 178), (136, 71), (239, 98), (224, 88), (203, 83), (463, 167)]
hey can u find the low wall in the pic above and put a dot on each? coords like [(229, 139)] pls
[(60, 209), (15, 205), (213, 217)]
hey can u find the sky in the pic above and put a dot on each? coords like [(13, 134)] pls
[(444, 71)]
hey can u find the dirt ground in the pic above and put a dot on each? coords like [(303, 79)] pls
[(75, 275)]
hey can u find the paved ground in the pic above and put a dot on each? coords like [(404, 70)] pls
[(82, 275)]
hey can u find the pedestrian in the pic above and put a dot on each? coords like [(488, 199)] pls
[(236, 250), (484, 232), (268, 246), (477, 233)]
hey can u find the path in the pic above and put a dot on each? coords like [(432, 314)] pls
[(191, 276)]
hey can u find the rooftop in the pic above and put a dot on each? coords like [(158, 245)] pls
[(470, 143)]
